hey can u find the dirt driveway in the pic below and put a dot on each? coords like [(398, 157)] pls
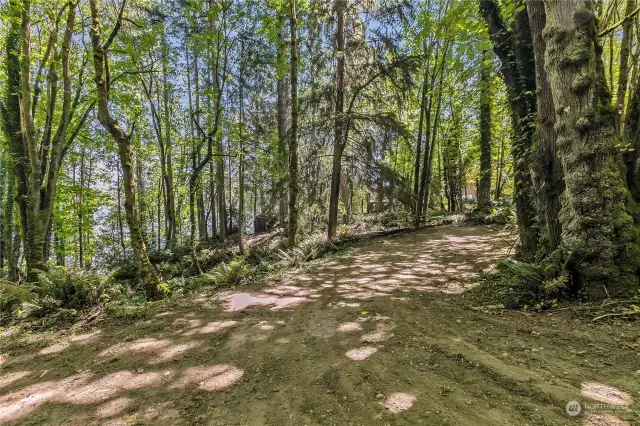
[(381, 335)]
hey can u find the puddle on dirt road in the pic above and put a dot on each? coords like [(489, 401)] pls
[(240, 301)]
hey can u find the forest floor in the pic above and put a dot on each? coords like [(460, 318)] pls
[(383, 334)]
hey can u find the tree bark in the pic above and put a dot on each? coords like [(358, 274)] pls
[(546, 170), (293, 140), (515, 51), (484, 182), (170, 207), (147, 274), (599, 240), (338, 143), (623, 72), (282, 117), (416, 167), (36, 164)]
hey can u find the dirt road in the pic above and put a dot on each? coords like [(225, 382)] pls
[(381, 335)]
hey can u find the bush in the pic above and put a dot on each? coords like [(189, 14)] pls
[(258, 256), (317, 245), (230, 273), (513, 284), (126, 271), (501, 212), (396, 219), (209, 258), (59, 295), (74, 290), (13, 298)]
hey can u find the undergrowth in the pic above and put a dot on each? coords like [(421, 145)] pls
[(66, 295)]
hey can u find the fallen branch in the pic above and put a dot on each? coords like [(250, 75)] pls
[(620, 314)]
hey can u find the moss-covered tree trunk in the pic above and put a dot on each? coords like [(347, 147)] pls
[(281, 46), (547, 173), (293, 141), (513, 46), (484, 183), (623, 70), (170, 203), (599, 240), (632, 137), (147, 274), (36, 156)]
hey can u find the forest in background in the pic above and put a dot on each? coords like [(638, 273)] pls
[(140, 132)]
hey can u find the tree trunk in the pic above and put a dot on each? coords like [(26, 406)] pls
[(623, 73), (149, 278), (36, 165), (515, 51), (338, 143), (80, 215), (293, 140), (599, 241), (632, 136), (484, 183), (59, 242), (282, 118), (547, 174), (3, 202), (416, 167), (241, 158), (142, 201), (9, 207), (170, 209)]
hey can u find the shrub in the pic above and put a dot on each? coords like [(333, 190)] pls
[(14, 299), (59, 294), (209, 258), (73, 290), (232, 272), (396, 219), (180, 286), (257, 256), (317, 245), (513, 284)]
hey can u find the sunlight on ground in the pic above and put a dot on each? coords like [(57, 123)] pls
[(79, 390), (399, 402), (349, 326), (212, 327), (605, 394), (603, 420), (381, 334), (85, 337), (55, 348), (431, 261), (141, 345), (360, 354), (210, 378), (240, 301), (173, 352), (9, 378), (112, 407)]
